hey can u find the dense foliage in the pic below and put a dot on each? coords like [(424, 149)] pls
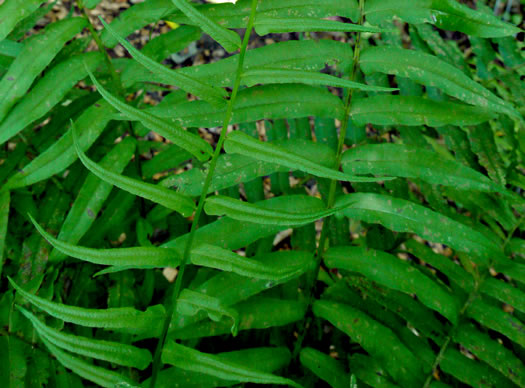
[(341, 204)]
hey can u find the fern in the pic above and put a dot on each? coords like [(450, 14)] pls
[(357, 220)]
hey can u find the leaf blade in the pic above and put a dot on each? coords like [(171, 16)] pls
[(136, 256), (396, 358), (394, 274), (215, 257), (243, 211), (413, 162), (122, 318), (241, 143), (430, 70), (155, 193), (96, 374), (226, 38), (62, 154), (190, 359), (413, 110), (270, 25), (212, 94), (115, 352), (47, 93), (267, 75), (267, 359), (14, 11), (257, 103), (445, 14), (496, 319), (172, 131), (325, 367), (92, 196), (405, 216), (191, 302), (255, 313), (491, 352), (34, 57)]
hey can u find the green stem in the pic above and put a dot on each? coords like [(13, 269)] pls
[(451, 335), (473, 294), (213, 163), (333, 183), (341, 140)]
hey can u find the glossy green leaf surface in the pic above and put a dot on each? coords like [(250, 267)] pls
[(235, 290), (34, 57), (371, 372), (47, 93), (302, 192), (254, 313), (226, 38), (14, 11), (257, 103), (10, 48), (233, 169), (209, 93), (191, 302), (405, 216), (413, 162), (325, 367), (287, 264), (427, 69), (62, 153), (155, 193), (121, 354), (497, 319), (444, 264), (396, 358), (267, 359), (513, 270), (96, 374), (137, 17), (271, 25), (504, 292), (494, 354), (445, 14), (484, 146), (124, 318), (471, 372), (286, 76), (231, 234), (171, 131), (307, 55), (190, 359), (244, 211), (396, 274), (92, 195), (411, 110), (241, 143), (236, 15), (136, 256)]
